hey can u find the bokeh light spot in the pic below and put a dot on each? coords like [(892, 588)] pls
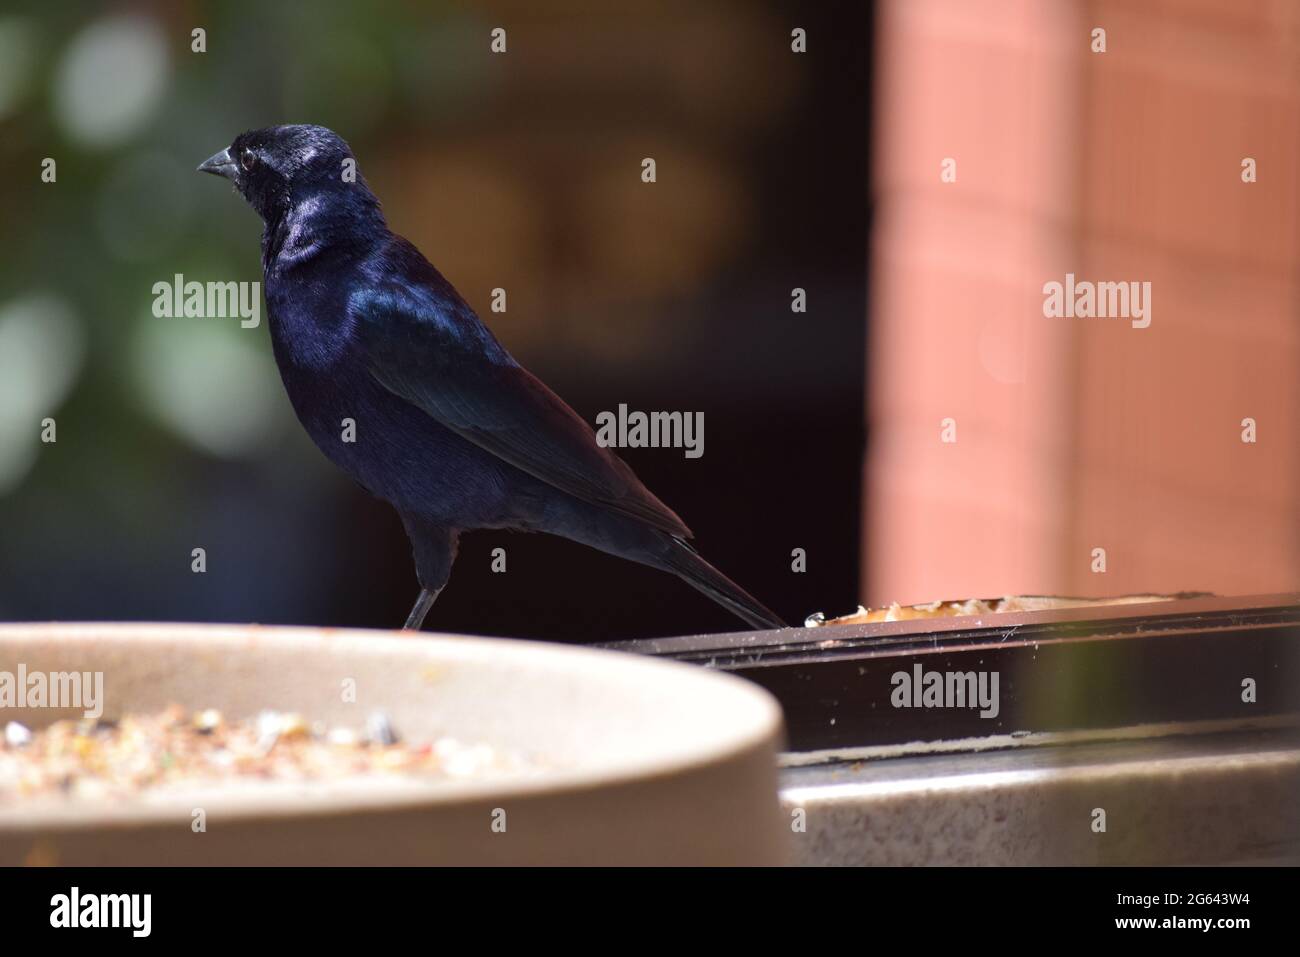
[(211, 384), (111, 80), (42, 346)]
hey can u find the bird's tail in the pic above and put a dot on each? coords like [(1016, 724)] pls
[(687, 563)]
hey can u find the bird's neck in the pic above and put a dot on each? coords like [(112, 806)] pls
[(321, 225)]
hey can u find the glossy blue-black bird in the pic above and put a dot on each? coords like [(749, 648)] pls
[(449, 428)]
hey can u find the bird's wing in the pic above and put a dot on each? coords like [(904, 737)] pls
[(429, 348)]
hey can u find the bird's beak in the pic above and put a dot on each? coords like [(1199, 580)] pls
[(219, 164)]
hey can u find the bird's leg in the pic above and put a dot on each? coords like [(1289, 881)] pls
[(415, 620)]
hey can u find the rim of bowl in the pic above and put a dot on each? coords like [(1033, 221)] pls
[(761, 729)]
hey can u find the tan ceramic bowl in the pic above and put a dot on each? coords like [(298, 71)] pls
[(647, 762)]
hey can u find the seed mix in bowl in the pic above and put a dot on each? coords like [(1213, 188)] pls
[(173, 748)]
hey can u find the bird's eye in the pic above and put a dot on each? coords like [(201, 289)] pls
[(248, 159)]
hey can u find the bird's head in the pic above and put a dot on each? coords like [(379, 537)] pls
[(275, 167)]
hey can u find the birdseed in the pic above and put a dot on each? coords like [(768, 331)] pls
[(144, 752)]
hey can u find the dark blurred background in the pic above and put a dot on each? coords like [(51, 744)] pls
[(518, 170)]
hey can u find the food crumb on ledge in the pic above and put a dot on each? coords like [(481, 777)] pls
[(979, 606)]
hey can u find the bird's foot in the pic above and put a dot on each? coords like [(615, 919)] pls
[(415, 620)]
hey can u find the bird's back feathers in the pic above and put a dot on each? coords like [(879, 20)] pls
[(425, 344)]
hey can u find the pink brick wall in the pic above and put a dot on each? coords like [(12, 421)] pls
[(1074, 434)]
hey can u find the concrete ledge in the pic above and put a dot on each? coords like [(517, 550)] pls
[(1228, 797)]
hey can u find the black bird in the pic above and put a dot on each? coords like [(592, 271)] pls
[(449, 428)]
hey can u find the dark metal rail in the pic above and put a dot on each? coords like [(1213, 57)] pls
[(1107, 666)]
